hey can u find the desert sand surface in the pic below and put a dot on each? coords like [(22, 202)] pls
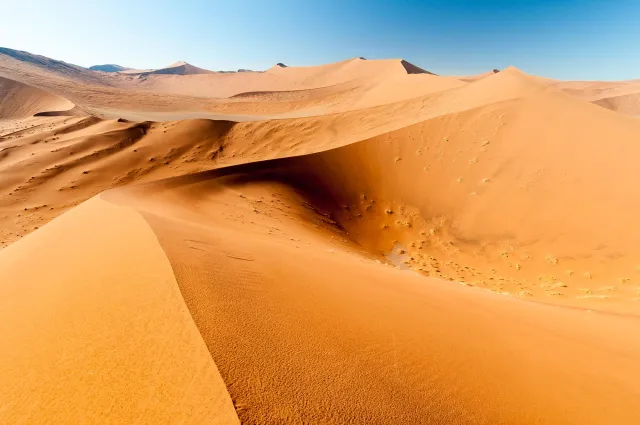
[(363, 242), (24, 101)]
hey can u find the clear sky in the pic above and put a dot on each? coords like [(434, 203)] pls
[(567, 39)]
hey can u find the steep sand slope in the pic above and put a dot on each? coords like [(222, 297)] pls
[(98, 331), (492, 198), (19, 100), (626, 103), (307, 328)]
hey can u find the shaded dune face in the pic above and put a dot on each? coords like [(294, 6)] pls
[(440, 198)]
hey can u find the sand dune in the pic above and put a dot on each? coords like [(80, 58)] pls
[(20, 100), (471, 219), (339, 72), (105, 299), (351, 72), (178, 68), (625, 103), (255, 252), (358, 242), (146, 95), (620, 96), (477, 77)]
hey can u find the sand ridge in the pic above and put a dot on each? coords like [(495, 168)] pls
[(21, 100), (105, 299)]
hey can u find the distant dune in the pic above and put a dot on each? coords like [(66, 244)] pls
[(41, 61), (361, 242), (20, 100), (621, 96), (178, 68), (479, 76)]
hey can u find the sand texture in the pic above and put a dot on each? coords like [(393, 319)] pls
[(363, 242)]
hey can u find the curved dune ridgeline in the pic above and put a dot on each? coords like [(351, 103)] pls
[(19, 100)]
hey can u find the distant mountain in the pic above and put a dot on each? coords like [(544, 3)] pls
[(43, 62), (16, 63), (109, 68)]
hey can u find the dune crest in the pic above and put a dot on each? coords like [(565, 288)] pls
[(178, 68), (105, 299)]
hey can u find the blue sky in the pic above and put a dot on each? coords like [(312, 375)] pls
[(565, 39)]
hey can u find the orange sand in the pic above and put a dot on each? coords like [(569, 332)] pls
[(361, 242)]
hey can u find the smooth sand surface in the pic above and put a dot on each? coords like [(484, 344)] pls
[(21, 100), (362, 242), (95, 330)]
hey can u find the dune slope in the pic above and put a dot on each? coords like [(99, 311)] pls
[(98, 330), (19, 100), (361, 242), (457, 194), (306, 327)]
